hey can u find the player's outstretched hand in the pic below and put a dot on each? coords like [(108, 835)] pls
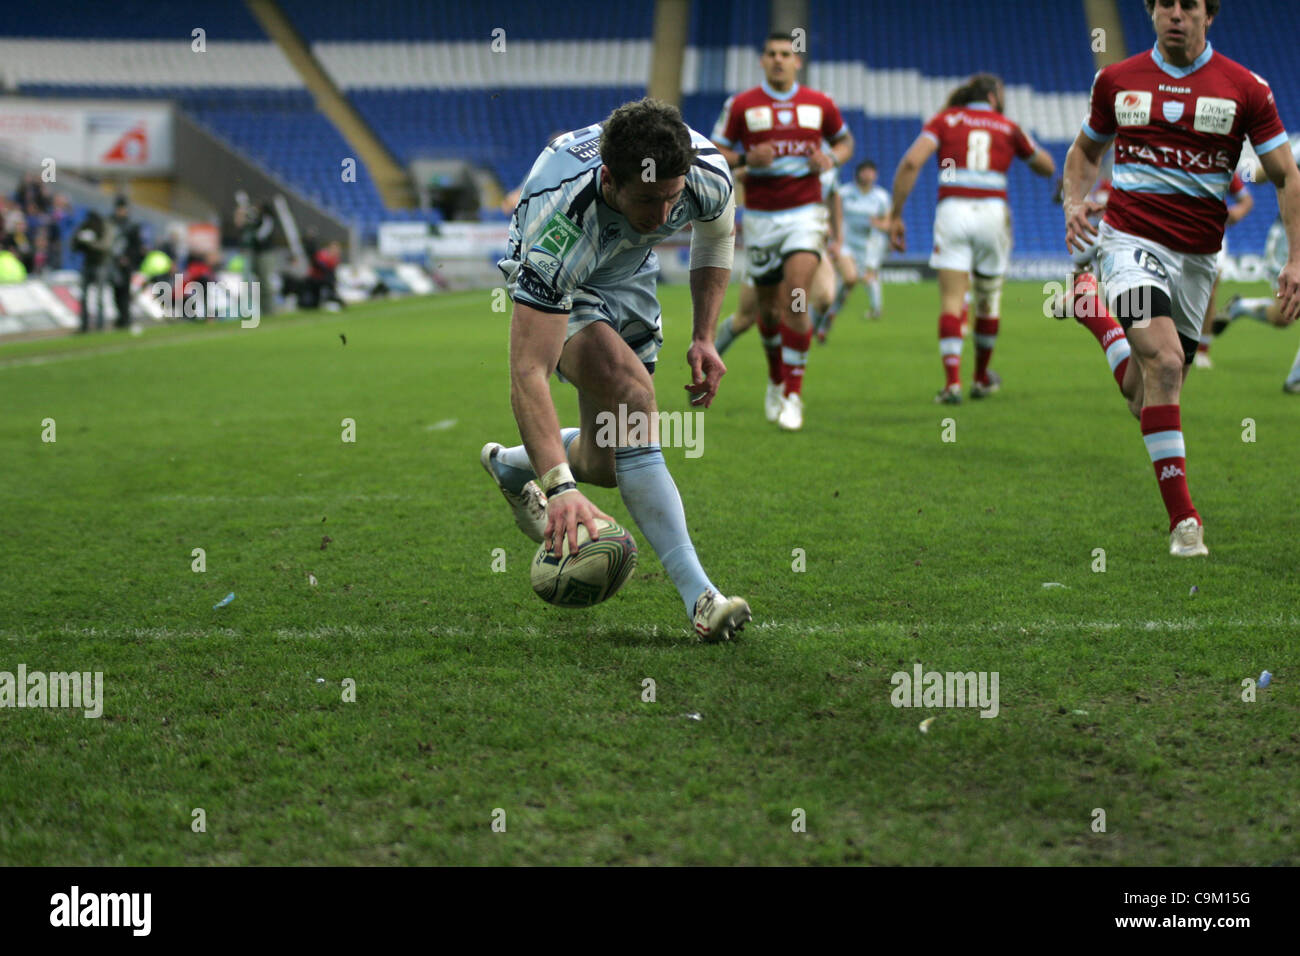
[(706, 372), (1288, 292), (898, 235), (1079, 232), (564, 512), (761, 155)]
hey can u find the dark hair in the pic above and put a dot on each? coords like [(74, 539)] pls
[(646, 129), (1211, 7), (975, 90), (865, 164), (785, 35)]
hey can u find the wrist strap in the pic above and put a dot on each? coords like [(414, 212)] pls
[(741, 161), (559, 475), (561, 488)]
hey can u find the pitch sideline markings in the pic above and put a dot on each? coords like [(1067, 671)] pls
[(795, 627)]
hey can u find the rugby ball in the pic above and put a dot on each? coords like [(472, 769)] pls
[(588, 575)]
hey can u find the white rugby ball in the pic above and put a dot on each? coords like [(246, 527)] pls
[(589, 575)]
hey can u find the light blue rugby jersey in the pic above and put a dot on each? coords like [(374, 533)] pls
[(563, 235), (860, 208)]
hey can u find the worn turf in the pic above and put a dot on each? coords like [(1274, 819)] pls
[(1119, 690)]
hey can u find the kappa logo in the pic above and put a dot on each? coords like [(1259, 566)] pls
[(1171, 471), (608, 235)]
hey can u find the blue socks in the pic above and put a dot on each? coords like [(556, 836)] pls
[(652, 499)]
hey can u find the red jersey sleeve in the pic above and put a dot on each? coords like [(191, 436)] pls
[(1023, 145), (1100, 124), (1262, 124), (734, 128), (934, 127), (832, 121)]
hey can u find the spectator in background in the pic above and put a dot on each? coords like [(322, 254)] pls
[(89, 241), (125, 250), (255, 236), (13, 233), (32, 195), (322, 283), (57, 225)]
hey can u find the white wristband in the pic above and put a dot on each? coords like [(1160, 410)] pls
[(558, 475)]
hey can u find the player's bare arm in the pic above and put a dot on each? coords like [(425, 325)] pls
[(835, 237), (1279, 165), (536, 341), (760, 155), (1240, 209), (1082, 166), (1042, 163), (841, 152), (712, 251), (909, 167)]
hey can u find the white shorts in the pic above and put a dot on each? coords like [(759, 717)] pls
[(630, 308), (772, 236), (972, 235), (1221, 259), (1127, 262), (869, 256)]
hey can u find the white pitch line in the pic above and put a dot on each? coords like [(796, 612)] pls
[(794, 627)]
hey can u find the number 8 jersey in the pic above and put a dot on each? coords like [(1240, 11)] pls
[(977, 145)]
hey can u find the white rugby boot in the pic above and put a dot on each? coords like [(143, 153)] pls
[(791, 417), (1187, 540), (529, 505), (719, 618), (772, 401)]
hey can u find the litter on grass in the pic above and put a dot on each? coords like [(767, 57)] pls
[(925, 725), (1265, 679), (224, 601)]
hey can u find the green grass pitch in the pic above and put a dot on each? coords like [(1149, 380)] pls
[(1120, 691)]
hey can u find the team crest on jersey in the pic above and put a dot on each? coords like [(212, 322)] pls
[(810, 117), (758, 118), (1132, 108), (1172, 110), (1214, 115), (784, 117)]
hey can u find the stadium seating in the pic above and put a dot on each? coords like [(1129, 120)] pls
[(431, 86)]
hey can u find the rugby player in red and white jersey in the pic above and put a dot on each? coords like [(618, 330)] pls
[(1178, 115), (972, 221), (775, 130)]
